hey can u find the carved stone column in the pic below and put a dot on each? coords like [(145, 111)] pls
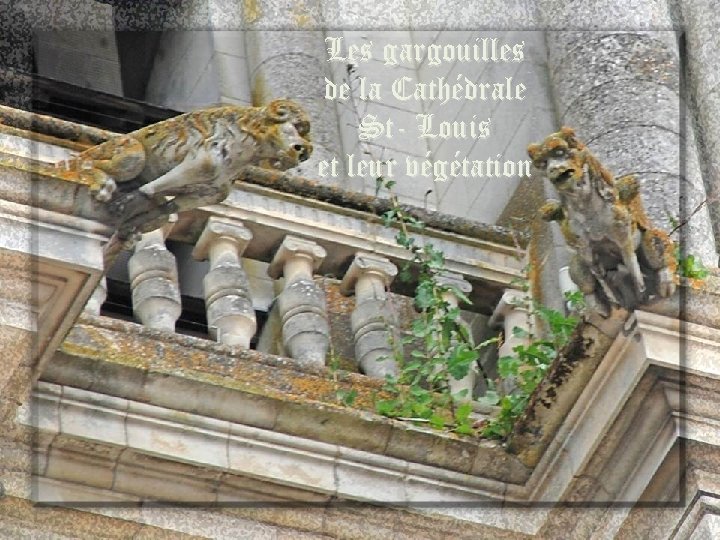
[(303, 313), (369, 276), (286, 61), (230, 313), (154, 281), (452, 279), (700, 20)]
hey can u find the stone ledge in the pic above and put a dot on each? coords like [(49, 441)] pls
[(259, 390), (597, 372), (215, 445)]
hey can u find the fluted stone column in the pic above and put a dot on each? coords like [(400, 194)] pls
[(369, 276), (701, 20), (154, 281), (451, 279), (230, 313), (620, 90), (98, 297), (302, 308)]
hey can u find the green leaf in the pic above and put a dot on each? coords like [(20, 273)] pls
[(507, 366), (460, 360), (436, 421), (464, 429), (462, 413), (490, 398), (378, 185), (387, 407), (691, 267), (421, 410), (460, 295), (424, 295), (575, 299), (405, 274), (346, 397), (520, 332)]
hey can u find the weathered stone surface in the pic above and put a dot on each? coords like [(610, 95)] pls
[(230, 313), (564, 382), (301, 304), (372, 323), (154, 282)]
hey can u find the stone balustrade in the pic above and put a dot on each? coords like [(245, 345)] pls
[(372, 322), (292, 225), (298, 324), (510, 313)]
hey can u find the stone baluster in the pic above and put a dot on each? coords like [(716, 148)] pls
[(230, 312), (369, 276), (511, 312), (451, 279), (301, 304), (154, 281), (97, 298)]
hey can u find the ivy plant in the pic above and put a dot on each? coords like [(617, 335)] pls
[(442, 348), (690, 266), (529, 363)]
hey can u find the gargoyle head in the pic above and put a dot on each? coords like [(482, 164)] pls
[(281, 130), (561, 157)]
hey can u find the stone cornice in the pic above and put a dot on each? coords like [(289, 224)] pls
[(641, 354), (256, 389)]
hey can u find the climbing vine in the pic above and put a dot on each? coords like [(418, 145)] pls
[(527, 366), (442, 348)]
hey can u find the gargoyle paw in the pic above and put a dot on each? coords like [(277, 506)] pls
[(104, 194), (666, 285)]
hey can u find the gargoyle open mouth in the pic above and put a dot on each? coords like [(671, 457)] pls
[(563, 177)]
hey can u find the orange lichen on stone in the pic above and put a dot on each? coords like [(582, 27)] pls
[(251, 11), (42, 169), (41, 137), (337, 302), (131, 345)]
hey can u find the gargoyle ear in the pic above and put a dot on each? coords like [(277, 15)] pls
[(534, 150), (278, 110), (568, 134)]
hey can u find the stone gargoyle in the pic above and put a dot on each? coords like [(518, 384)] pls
[(619, 259), (189, 161)]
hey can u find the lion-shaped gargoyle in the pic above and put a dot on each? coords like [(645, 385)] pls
[(190, 160), (619, 259)]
